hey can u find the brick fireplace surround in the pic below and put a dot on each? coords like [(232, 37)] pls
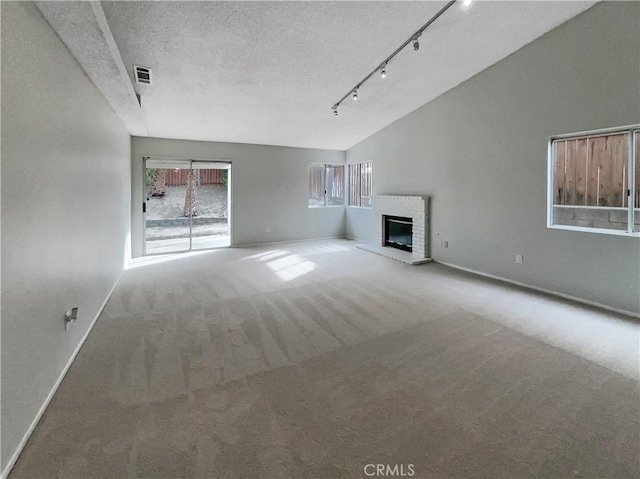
[(414, 207)]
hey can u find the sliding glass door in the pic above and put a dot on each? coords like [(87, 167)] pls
[(167, 227), (210, 219), (187, 205)]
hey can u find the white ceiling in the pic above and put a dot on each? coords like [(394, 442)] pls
[(268, 72)]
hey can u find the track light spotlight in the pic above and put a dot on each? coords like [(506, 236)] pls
[(382, 67), (466, 3)]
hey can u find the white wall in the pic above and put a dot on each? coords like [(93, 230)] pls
[(481, 151), (269, 187), (65, 211)]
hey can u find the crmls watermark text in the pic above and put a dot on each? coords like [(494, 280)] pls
[(389, 470)]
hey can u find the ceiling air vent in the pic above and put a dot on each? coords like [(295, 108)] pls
[(142, 74)]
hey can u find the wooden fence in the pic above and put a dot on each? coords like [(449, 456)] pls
[(206, 177), (360, 184), (326, 178), (335, 182), (593, 171)]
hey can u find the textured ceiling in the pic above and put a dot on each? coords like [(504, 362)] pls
[(269, 72), (86, 33)]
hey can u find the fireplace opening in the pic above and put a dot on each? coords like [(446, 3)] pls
[(398, 232)]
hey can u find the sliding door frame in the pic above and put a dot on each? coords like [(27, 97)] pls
[(190, 162)]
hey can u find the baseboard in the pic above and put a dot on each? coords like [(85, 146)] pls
[(353, 238), (289, 241), (43, 408), (543, 290)]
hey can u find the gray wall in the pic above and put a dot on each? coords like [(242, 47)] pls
[(65, 211), (481, 151), (269, 189)]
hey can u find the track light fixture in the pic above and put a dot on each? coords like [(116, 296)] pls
[(382, 67), (466, 3)]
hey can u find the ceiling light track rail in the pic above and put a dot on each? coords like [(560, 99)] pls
[(382, 67)]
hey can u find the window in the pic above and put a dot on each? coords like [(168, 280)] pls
[(326, 185), (360, 184), (594, 181)]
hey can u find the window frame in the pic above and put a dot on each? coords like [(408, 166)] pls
[(324, 177), (347, 179), (632, 131)]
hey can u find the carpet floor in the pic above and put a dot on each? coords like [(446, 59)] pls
[(315, 359)]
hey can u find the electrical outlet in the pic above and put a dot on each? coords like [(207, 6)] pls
[(70, 316), (446, 244), (519, 258)]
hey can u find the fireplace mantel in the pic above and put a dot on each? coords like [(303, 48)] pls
[(415, 207)]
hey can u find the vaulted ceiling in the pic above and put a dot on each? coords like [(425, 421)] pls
[(268, 72)]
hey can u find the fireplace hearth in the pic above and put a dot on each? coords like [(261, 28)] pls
[(398, 232)]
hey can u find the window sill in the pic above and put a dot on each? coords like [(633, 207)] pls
[(325, 206), (635, 234)]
